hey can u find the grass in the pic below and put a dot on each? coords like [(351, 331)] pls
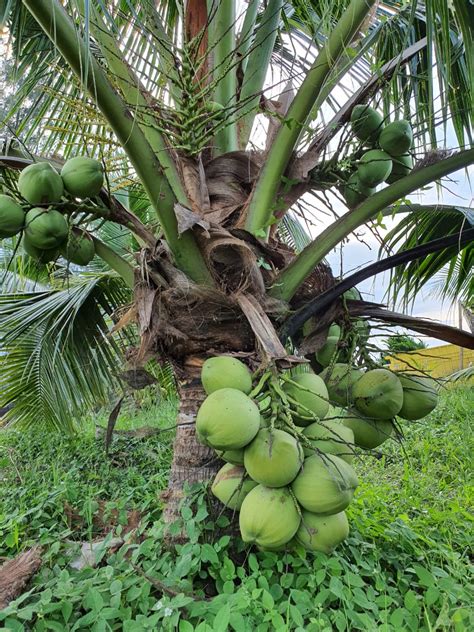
[(405, 566)]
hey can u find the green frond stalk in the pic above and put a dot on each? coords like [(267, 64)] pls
[(115, 261), (132, 91), (55, 22), (256, 68), (246, 34), (262, 204), (222, 44), (288, 281)]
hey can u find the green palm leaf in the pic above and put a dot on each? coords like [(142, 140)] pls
[(57, 357), (448, 269)]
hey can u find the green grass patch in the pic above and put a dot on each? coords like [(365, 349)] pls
[(405, 566)]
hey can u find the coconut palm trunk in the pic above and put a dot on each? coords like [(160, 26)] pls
[(192, 462), (179, 97)]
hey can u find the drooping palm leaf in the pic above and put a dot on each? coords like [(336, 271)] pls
[(57, 357), (455, 266)]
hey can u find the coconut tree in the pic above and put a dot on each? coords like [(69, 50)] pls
[(218, 123)]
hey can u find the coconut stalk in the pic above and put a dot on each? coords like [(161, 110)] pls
[(57, 25), (115, 261), (289, 280), (262, 203)]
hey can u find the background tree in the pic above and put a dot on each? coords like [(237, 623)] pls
[(400, 343), (189, 229)]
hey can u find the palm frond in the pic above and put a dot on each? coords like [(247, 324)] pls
[(435, 87), (292, 233), (463, 375), (57, 356), (428, 92), (454, 266)]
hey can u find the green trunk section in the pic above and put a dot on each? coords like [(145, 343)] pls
[(262, 205), (115, 261), (60, 29), (222, 47), (289, 280), (256, 69)]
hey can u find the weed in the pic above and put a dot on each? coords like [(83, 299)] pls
[(404, 567)]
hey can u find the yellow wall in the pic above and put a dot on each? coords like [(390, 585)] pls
[(437, 361)]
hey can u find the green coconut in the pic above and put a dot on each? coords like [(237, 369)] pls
[(231, 485), (225, 372), (402, 165), (311, 396), (368, 433), (340, 381), (40, 183), (83, 177), (420, 396), (273, 458), (41, 256), (396, 138), (366, 123), (327, 351), (355, 191), (322, 533), (374, 167), (12, 217), (352, 295), (213, 107), (268, 517), (79, 247), (378, 394), (325, 485), (227, 420), (45, 228), (330, 437), (236, 457)]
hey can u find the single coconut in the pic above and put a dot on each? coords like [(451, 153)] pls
[(225, 372), (227, 420), (268, 517)]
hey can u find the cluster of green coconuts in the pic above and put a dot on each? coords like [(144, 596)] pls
[(291, 477), (46, 231), (389, 158)]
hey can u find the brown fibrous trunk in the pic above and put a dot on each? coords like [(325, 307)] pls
[(192, 461)]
